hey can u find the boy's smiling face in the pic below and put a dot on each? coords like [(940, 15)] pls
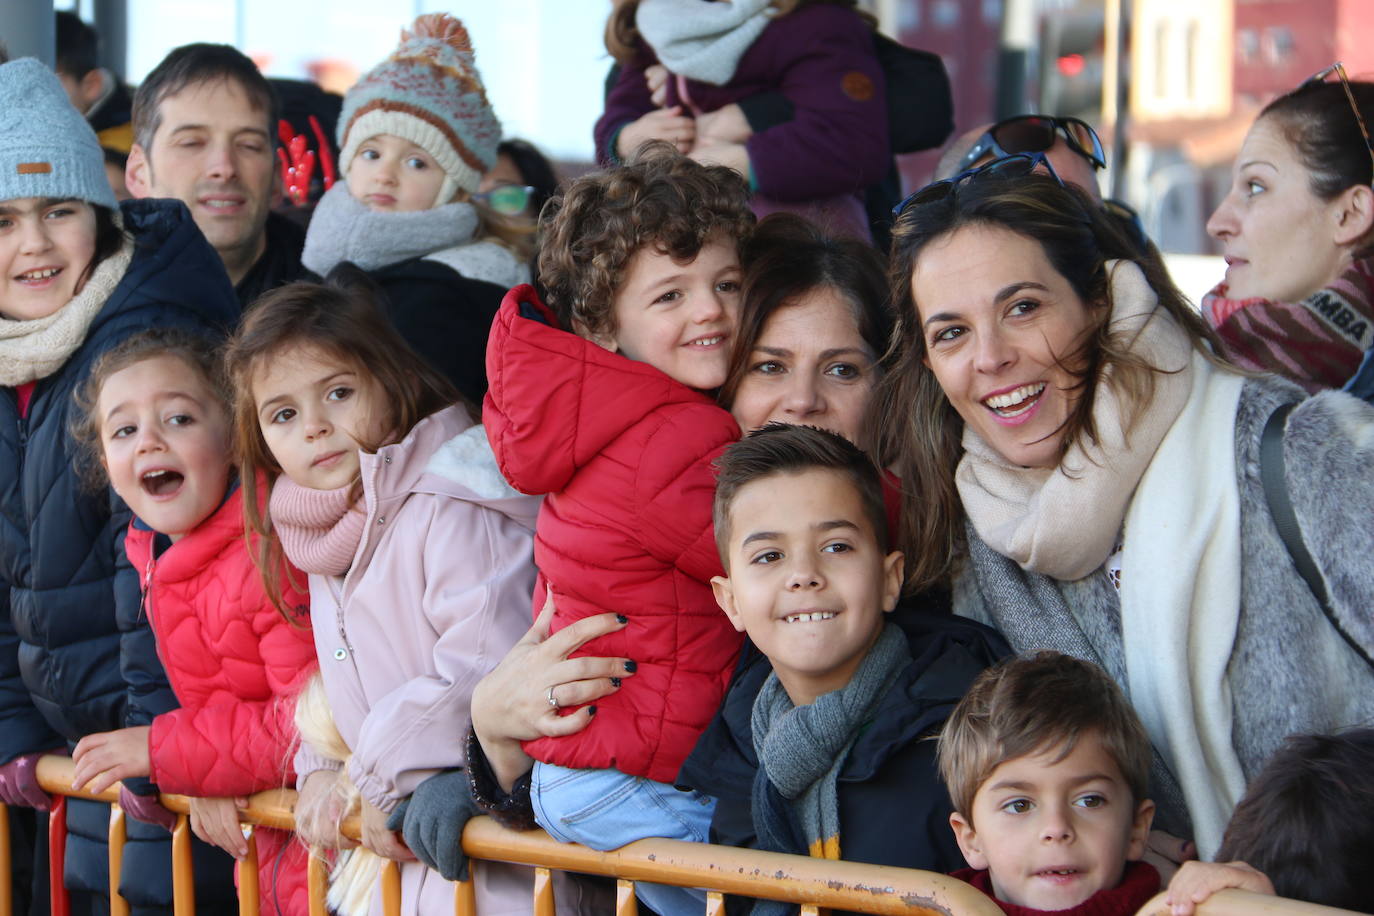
[(679, 317), (1053, 832), (807, 579)]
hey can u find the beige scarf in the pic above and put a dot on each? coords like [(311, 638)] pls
[(31, 350), (1062, 522)]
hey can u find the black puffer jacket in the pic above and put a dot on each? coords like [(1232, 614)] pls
[(67, 596), (894, 810)]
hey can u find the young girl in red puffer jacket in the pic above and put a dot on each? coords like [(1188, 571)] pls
[(155, 412)]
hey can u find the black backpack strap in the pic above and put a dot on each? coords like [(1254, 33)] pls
[(1272, 477)]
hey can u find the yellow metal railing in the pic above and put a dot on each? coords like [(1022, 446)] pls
[(815, 884)]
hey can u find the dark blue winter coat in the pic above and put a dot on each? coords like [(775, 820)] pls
[(68, 598), (893, 808)]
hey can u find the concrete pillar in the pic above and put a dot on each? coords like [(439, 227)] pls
[(27, 29), (112, 24)]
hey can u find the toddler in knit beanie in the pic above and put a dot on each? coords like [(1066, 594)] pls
[(416, 135), (424, 108)]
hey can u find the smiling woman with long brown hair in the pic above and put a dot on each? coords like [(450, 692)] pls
[(1085, 469)]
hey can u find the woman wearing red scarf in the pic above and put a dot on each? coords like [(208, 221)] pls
[(1296, 231)]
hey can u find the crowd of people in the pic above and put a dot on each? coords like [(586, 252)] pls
[(984, 553)]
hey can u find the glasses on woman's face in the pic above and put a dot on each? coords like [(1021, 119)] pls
[(1337, 68), (1036, 134), (1017, 166), (507, 199)]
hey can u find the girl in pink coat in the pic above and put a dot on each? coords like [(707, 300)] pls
[(157, 415), (419, 555)]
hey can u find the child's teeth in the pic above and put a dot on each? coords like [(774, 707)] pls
[(808, 618), (41, 274)]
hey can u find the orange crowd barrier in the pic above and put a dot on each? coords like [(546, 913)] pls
[(816, 885)]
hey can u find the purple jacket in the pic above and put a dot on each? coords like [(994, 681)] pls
[(819, 62)]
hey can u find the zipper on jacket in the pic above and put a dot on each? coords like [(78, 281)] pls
[(23, 424)]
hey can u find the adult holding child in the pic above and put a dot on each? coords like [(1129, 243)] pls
[(1089, 471), (812, 323), (81, 274), (787, 92), (1297, 230)]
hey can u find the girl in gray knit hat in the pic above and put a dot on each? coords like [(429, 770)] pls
[(78, 275)]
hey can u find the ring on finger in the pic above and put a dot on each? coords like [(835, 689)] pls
[(552, 701)]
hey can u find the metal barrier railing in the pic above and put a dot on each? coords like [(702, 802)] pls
[(814, 884)]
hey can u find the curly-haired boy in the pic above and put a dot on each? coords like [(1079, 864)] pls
[(602, 399)]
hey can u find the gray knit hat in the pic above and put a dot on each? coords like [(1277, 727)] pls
[(430, 93), (46, 147)]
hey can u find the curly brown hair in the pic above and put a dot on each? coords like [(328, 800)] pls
[(591, 231)]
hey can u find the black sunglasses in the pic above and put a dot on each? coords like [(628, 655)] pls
[(1317, 79), (1018, 165), (1036, 134)]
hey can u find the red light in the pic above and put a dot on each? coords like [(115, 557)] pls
[(1071, 64)]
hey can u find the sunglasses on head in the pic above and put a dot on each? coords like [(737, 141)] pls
[(1036, 134), (1317, 79), (1015, 166), (507, 199)]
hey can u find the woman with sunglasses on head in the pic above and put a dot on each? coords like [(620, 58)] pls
[(1087, 471), (1296, 229)]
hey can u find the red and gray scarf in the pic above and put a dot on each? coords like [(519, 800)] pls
[(1317, 342)]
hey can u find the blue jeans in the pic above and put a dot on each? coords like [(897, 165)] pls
[(605, 809)]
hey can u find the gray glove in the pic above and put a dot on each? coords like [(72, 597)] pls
[(432, 822)]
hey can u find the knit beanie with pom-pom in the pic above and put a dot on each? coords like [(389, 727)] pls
[(430, 93)]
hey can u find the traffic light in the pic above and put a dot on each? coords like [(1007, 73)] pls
[(1071, 46)]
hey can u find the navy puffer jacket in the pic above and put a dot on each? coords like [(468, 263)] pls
[(67, 596)]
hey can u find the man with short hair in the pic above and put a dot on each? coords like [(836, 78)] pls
[(96, 92), (204, 127)]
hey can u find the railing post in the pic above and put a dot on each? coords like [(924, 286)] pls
[(118, 834), (625, 902), (248, 873), (59, 903), (317, 882), (391, 889), (543, 892), (465, 893), (715, 903), (6, 886), (183, 879)]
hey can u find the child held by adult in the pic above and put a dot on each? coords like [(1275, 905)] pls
[(81, 274), (641, 269), (384, 491), (156, 416), (416, 136), (1048, 767)]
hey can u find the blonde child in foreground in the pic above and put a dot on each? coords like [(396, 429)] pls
[(1047, 765), (155, 414)]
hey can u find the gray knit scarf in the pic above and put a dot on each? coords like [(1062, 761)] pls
[(702, 40), (801, 749)]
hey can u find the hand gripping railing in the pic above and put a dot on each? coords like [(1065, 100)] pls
[(815, 884)]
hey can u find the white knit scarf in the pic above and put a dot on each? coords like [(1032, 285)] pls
[(1180, 600), (31, 350), (1062, 522), (344, 229), (702, 40)]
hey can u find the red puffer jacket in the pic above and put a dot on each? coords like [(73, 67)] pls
[(625, 455), (236, 666)]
